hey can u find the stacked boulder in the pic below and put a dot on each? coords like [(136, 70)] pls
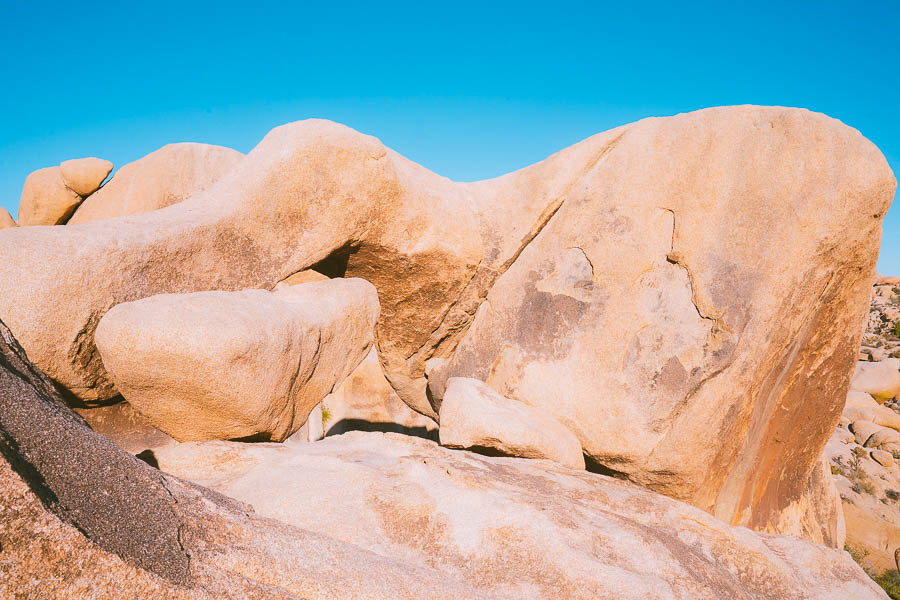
[(51, 195), (167, 176)]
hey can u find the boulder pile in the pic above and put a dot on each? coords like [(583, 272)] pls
[(864, 449)]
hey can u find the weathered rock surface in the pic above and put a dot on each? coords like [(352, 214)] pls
[(45, 199), (248, 364), (513, 527), (6, 220), (669, 336), (365, 401), (881, 380), (84, 175), (621, 254), (80, 518), (167, 176), (473, 416)]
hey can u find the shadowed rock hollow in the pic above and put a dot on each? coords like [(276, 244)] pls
[(682, 293)]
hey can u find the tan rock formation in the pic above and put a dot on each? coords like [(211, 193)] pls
[(45, 199), (475, 416), (653, 318), (635, 259), (226, 365), (84, 175), (6, 220), (514, 528), (167, 176)]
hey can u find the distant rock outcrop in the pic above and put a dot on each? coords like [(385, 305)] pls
[(167, 176)]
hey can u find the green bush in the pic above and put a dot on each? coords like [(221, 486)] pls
[(836, 470), (896, 329), (889, 582)]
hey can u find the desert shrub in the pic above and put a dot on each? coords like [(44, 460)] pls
[(836, 470), (857, 554), (326, 416), (889, 582), (861, 481), (896, 329), (892, 495)]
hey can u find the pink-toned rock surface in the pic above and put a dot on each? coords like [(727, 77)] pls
[(512, 527)]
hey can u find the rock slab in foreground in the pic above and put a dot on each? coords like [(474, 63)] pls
[(475, 416), (515, 528), (248, 364), (80, 518)]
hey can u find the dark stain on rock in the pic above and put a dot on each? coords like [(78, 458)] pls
[(672, 376), (544, 321)]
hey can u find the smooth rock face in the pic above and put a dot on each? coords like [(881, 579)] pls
[(648, 211), (652, 317), (167, 176), (80, 518), (881, 380), (475, 416), (45, 199), (514, 528), (84, 175), (365, 401), (227, 365), (6, 220)]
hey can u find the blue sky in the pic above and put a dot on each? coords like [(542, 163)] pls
[(468, 89)]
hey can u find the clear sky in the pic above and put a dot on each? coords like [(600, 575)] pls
[(469, 89)]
